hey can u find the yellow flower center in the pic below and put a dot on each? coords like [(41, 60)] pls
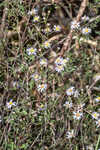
[(77, 114), (86, 30), (60, 67), (42, 86), (95, 115), (10, 103), (31, 50), (36, 76), (42, 106), (57, 28), (70, 90), (36, 18), (98, 98), (46, 44)]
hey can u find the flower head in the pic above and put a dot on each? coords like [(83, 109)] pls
[(77, 115), (75, 25), (36, 18), (31, 51), (70, 134), (43, 62), (57, 28), (42, 107), (97, 99), (47, 44), (59, 68), (11, 103), (59, 61), (36, 76), (86, 31), (98, 123), (95, 115), (47, 29), (42, 87), (85, 18), (68, 104), (70, 91), (33, 11)]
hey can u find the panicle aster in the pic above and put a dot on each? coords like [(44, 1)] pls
[(47, 30), (57, 28), (36, 76), (68, 104), (75, 25), (77, 115), (85, 18), (47, 44), (43, 62), (36, 18), (11, 103), (31, 51), (70, 91), (86, 31), (97, 99), (95, 115), (42, 107), (70, 134), (59, 68), (42, 87), (59, 61)]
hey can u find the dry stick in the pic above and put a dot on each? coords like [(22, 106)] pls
[(67, 43)]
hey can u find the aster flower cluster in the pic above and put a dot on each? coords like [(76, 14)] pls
[(76, 25), (56, 28), (60, 64)]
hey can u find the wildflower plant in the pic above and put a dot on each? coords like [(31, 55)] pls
[(52, 75)]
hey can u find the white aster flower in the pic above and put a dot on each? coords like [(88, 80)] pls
[(95, 115), (36, 18), (68, 104), (75, 25), (97, 99), (70, 134), (47, 44), (43, 62), (42, 87), (31, 51), (85, 18), (70, 91), (59, 61), (11, 103), (86, 30), (42, 107), (36, 76), (47, 30), (59, 68), (57, 28), (98, 123), (33, 11), (77, 115)]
